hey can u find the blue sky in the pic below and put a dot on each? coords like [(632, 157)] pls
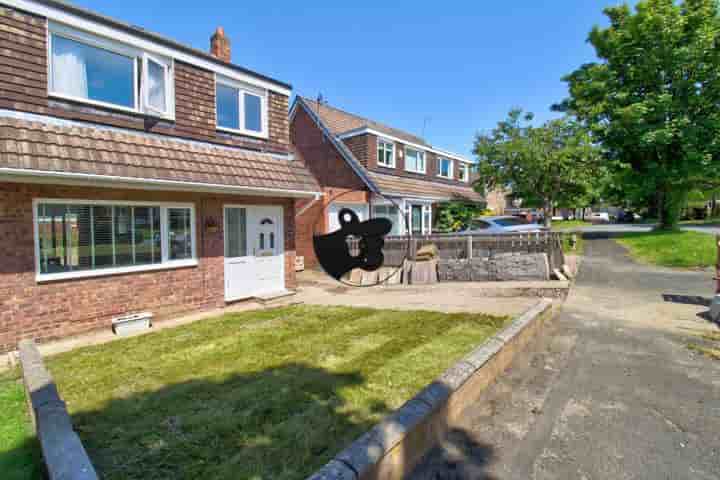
[(456, 67)]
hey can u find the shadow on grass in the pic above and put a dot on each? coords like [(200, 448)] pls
[(280, 423)]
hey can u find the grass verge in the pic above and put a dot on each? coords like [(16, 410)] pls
[(568, 224), (672, 249), (708, 344), (265, 394), (19, 451)]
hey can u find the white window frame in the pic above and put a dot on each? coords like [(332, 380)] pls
[(243, 89), (165, 263), (425, 228), (421, 154), (439, 167), (463, 167), (385, 143), (139, 57)]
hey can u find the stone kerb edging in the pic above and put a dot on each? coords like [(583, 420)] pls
[(64, 455), (394, 446)]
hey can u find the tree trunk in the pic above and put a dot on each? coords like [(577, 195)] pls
[(671, 203), (547, 213)]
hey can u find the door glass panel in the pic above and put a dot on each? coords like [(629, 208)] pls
[(262, 241), (235, 232), (272, 240), (417, 219)]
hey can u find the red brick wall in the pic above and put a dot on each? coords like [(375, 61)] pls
[(23, 87), (314, 219), (364, 148), (320, 155), (46, 311)]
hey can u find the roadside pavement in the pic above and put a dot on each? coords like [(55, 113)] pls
[(610, 391)]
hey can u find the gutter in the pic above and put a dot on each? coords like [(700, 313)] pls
[(22, 175)]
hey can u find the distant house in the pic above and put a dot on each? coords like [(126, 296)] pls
[(136, 174), (390, 173)]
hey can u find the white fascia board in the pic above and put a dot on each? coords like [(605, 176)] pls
[(80, 23), (21, 175), (437, 151)]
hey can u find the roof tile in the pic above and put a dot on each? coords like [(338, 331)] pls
[(40, 146)]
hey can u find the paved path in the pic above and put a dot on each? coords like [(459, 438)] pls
[(611, 391)]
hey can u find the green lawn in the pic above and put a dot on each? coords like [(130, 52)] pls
[(270, 394), (19, 451), (672, 249), (568, 224)]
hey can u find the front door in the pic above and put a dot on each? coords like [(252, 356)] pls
[(267, 250), (254, 262)]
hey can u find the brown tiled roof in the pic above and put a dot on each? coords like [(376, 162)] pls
[(393, 184), (339, 121), (73, 148)]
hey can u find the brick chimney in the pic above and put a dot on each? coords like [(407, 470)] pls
[(220, 45)]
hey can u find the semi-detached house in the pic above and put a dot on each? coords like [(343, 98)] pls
[(136, 174), (373, 169)]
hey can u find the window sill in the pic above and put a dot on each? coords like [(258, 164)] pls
[(445, 178), (53, 277), (247, 133), (421, 172), (391, 167), (110, 106)]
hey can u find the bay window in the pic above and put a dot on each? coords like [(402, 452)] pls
[(414, 160), (98, 71), (445, 168), (88, 238), (240, 108), (463, 173), (386, 153)]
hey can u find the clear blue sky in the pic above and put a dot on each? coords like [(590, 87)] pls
[(461, 65)]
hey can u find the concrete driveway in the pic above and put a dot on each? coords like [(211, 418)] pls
[(493, 298), (610, 392)]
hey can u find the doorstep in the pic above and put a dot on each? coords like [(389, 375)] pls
[(271, 297)]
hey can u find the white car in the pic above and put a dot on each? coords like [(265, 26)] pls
[(599, 217), (505, 224)]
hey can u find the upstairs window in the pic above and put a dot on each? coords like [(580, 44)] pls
[(463, 173), (445, 168), (386, 153), (414, 160), (93, 70), (240, 109)]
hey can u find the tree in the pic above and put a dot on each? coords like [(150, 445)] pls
[(455, 216), (551, 162), (653, 100)]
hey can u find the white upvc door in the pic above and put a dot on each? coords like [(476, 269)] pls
[(266, 241), (254, 251)]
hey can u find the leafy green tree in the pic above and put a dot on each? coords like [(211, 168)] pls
[(455, 216), (555, 161), (653, 99)]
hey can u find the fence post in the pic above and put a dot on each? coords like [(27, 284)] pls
[(469, 247)]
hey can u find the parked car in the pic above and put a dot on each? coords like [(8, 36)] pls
[(503, 224), (599, 217), (628, 217)]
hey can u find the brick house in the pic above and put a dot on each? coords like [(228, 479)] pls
[(373, 169), (136, 174)]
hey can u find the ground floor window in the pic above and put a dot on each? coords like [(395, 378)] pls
[(86, 236), (419, 218), (391, 213)]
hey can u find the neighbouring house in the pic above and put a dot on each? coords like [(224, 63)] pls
[(372, 169), (136, 174)]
